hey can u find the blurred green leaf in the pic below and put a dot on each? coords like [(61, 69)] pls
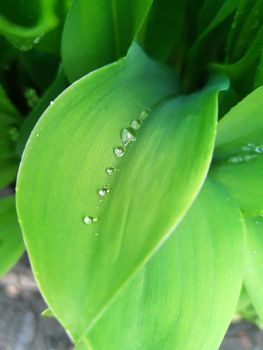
[(23, 23), (63, 181), (98, 32), (9, 123), (11, 243), (58, 85)]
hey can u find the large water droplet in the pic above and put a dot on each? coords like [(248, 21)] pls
[(127, 136), (103, 191), (119, 151), (110, 171), (144, 114), (89, 220), (136, 124)]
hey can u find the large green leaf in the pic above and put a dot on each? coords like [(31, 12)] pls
[(254, 263), (11, 243), (178, 300), (63, 168), (98, 32), (238, 154)]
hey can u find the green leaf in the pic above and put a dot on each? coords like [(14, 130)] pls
[(24, 23), (63, 168), (178, 298), (164, 29), (98, 32), (9, 123), (11, 243), (238, 155), (254, 263)]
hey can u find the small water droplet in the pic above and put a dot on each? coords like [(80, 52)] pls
[(235, 159), (37, 134), (89, 220), (144, 114), (136, 124), (127, 136), (103, 191), (119, 151), (36, 40), (259, 149), (110, 171), (96, 234), (51, 103)]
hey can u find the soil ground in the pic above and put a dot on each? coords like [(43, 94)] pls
[(22, 327)]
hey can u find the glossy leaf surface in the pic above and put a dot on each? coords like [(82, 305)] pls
[(176, 300), (63, 179)]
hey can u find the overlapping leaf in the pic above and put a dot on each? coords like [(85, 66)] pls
[(238, 154), (176, 300), (239, 167), (98, 32), (63, 169)]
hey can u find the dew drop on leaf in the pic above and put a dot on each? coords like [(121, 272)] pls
[(103, 191), (110, 171), (136, 124), (259, 149), (89, 220), (127, 136), (144, 114), (119, 151)]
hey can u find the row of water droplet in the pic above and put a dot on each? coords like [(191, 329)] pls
[(251, 150), (127, 135)]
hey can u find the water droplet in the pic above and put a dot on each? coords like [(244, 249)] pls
[(248, 147), (136, 124), (144, 114), (259, 149), (36, 40), (110, 171), (89, 220), (235, 159), (37, 134), (103, 191), (127, 136), (119, 151), (51, 103)]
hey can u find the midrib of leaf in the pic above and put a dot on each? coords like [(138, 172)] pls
[(115, 28)]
